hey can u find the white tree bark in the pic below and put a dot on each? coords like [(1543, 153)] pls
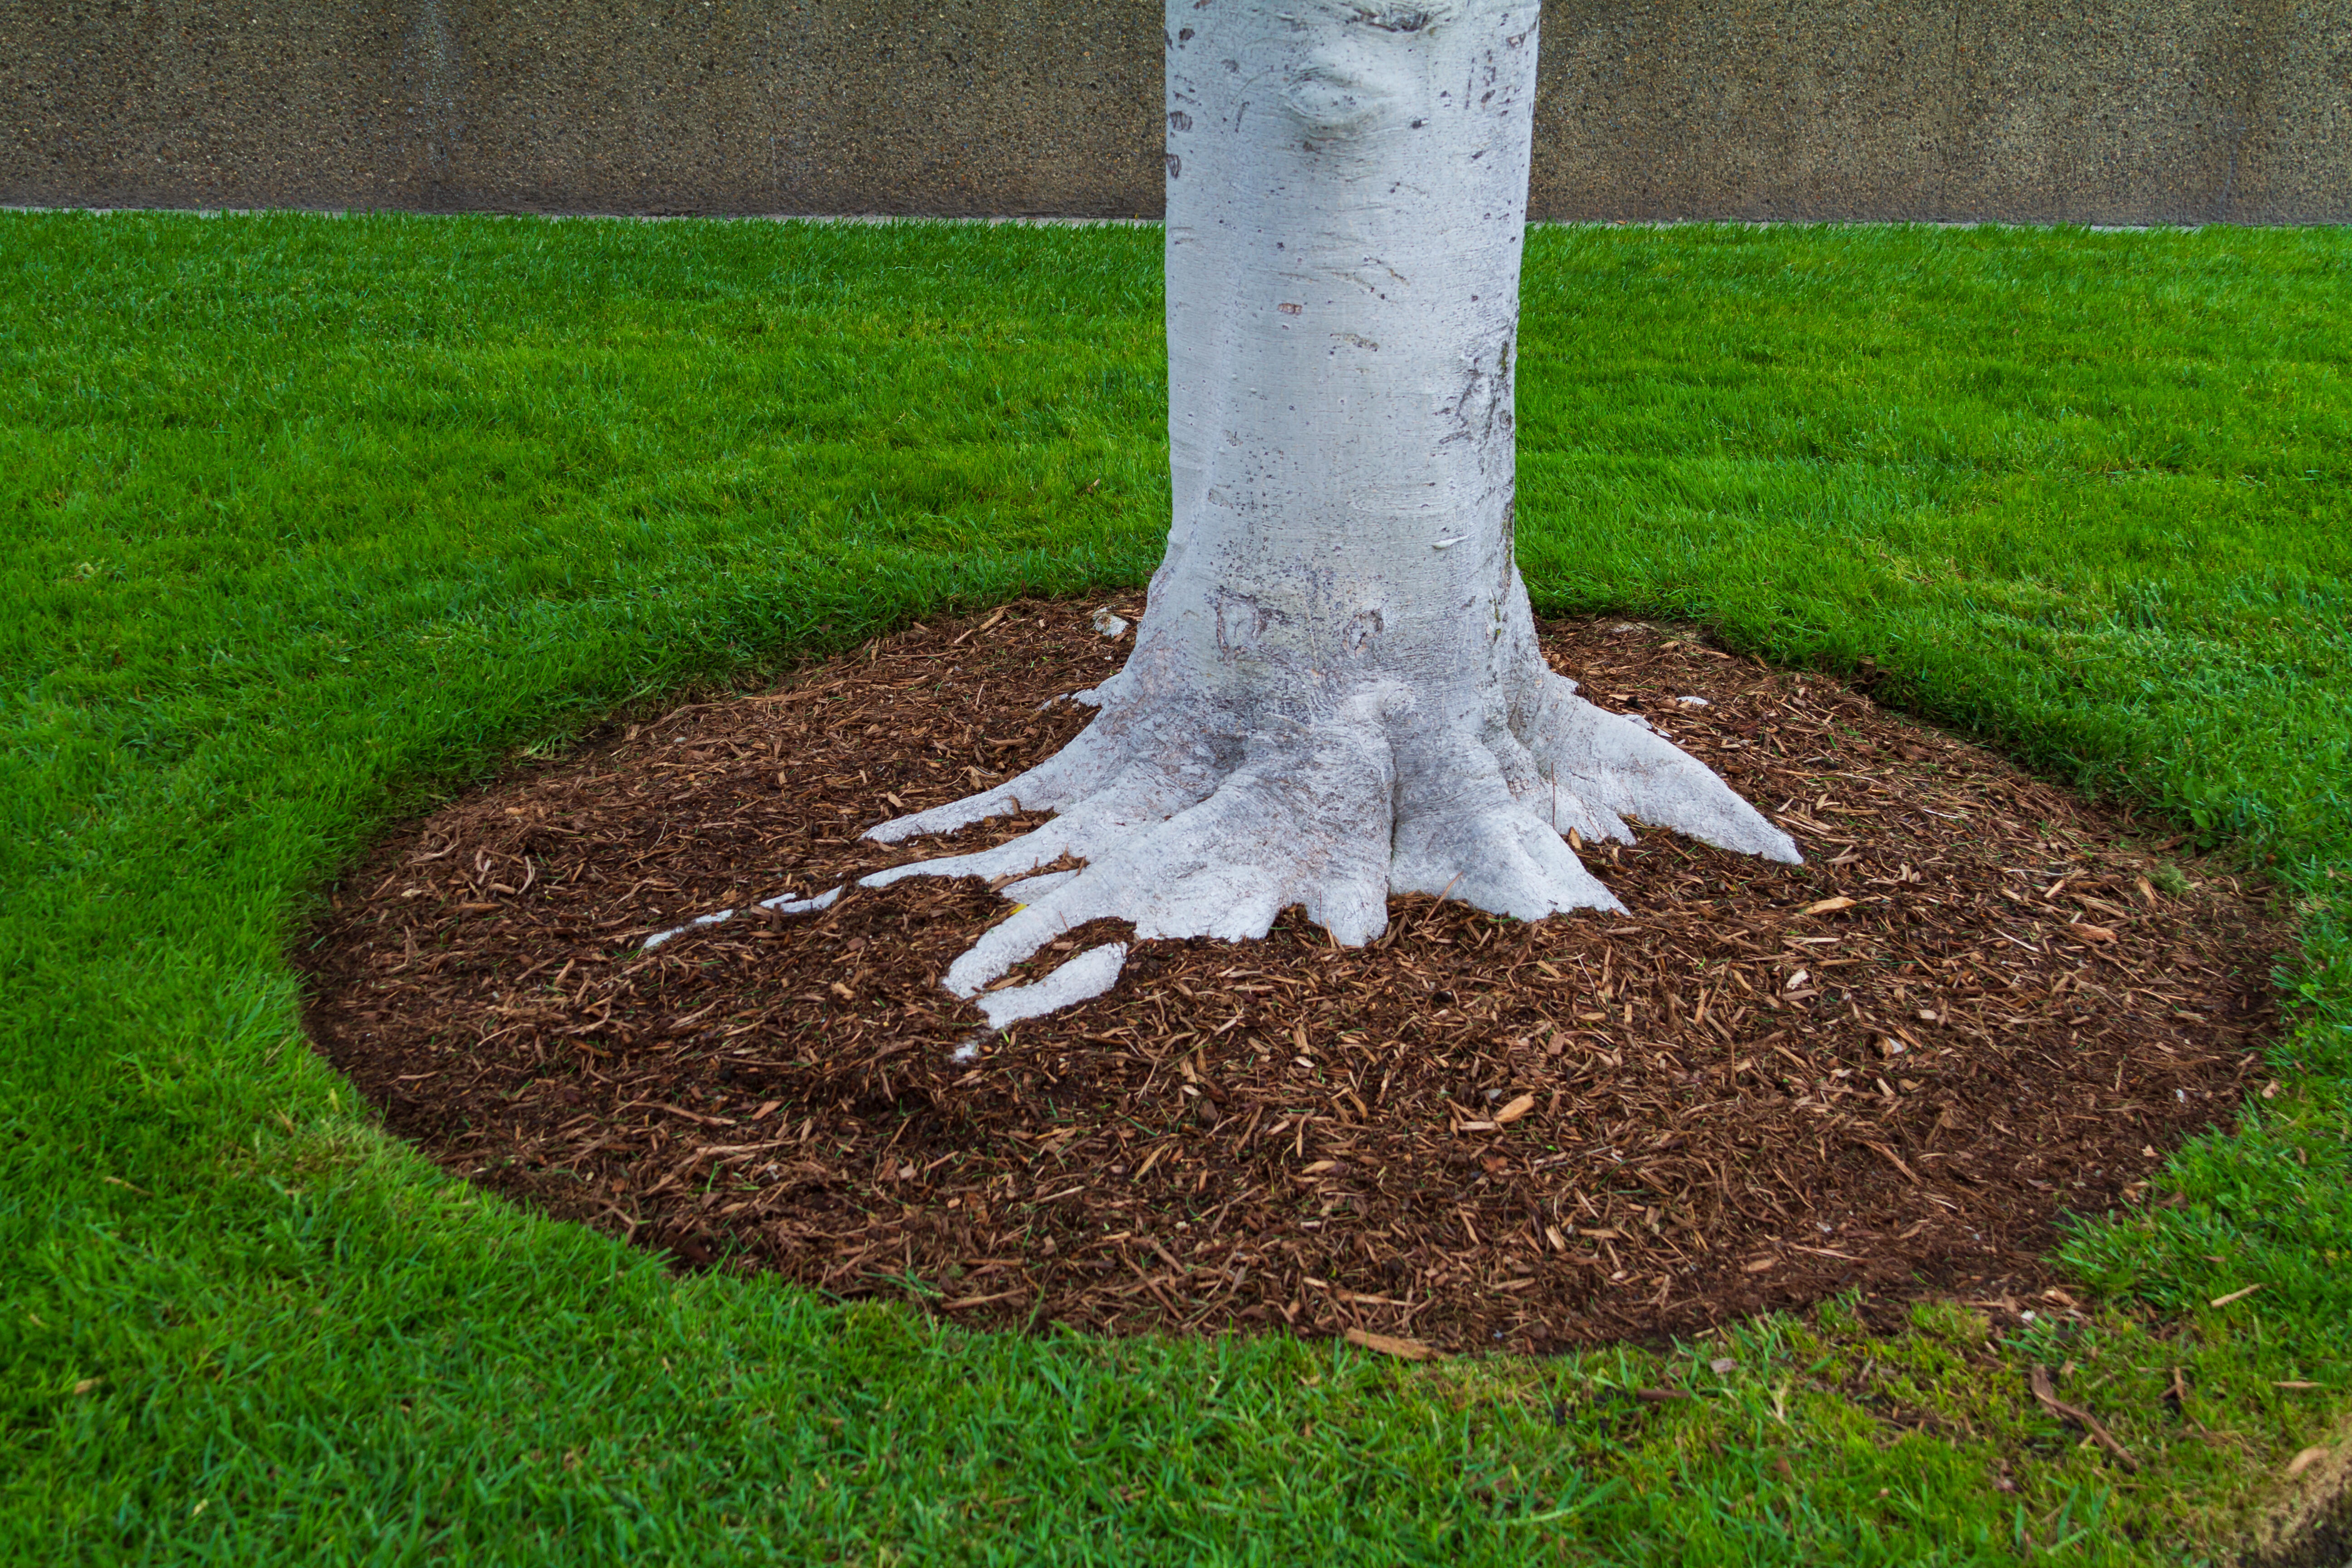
[(1335, 692)]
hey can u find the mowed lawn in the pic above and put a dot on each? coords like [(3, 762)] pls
[(310, 523)]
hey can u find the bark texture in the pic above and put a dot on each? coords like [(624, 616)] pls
[(1335, 692)]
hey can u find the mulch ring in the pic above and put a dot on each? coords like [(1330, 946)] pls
[(1750, 1094)]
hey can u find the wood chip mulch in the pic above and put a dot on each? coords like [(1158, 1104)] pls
[(1750, 1094)]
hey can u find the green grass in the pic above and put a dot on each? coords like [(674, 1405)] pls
[(312, 521)]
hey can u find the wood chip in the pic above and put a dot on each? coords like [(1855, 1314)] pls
[(1389, 1345), (2038, 1379), (970, 1301), (1892, 1158)]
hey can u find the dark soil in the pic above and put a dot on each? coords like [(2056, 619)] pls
[(1475, 1133)]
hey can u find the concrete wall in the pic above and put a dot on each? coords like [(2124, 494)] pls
[(2093, 111), (2088, 110)]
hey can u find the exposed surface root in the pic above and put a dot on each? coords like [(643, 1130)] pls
[(1226, 867), (1597, 768), (1475, 1133), (1332, 817), (784, 904), (1088, 975)]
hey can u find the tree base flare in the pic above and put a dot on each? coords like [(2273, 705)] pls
[(1334, 817)]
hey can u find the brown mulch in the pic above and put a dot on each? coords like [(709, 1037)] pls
[(1474, 1133)]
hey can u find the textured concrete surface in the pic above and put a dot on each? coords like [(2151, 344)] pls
[(2095, 111), (2099, 111)]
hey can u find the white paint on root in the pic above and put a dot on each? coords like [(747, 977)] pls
[(783, 905), (788, 905), (661, 937), (1090, 974)]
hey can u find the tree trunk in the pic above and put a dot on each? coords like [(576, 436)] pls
[(1335, 692)]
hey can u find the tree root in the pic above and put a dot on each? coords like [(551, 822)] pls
[(782, 904), (1333, 815)]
